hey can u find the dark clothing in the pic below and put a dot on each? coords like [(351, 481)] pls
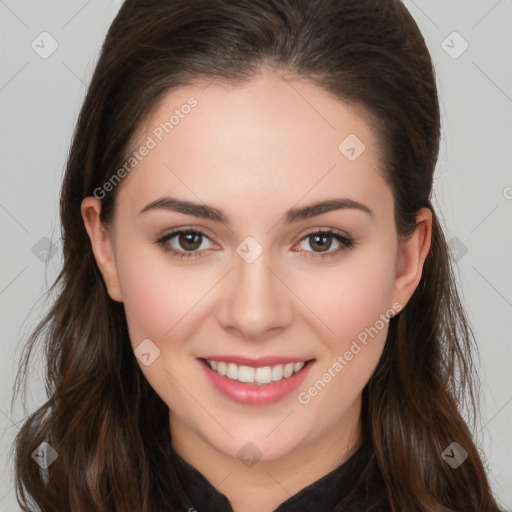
[(354, 486)]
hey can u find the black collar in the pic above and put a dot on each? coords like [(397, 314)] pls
[(354, 486)]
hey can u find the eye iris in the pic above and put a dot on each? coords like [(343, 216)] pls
[(320, 239), (190, 241)]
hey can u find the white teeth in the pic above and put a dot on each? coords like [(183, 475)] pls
[(242, 373), (232, 371), (277, 372), (263, 375), (221, 368), (288, 370), (260, 375)]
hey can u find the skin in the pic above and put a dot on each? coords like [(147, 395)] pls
[(254, 151)]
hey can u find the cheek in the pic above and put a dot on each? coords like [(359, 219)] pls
[(157, 295), (160, 302), (351, 296), (353, 302), (356, 307)]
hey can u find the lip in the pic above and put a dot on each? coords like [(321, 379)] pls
[(256, 394), (254, 363)]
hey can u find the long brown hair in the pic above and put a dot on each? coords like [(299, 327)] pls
[(100, 409)]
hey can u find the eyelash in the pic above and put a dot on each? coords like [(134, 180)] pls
[(345, 241)]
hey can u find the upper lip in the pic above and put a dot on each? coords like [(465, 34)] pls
[(257, 362)]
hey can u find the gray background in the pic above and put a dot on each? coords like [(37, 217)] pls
[(39, 102)]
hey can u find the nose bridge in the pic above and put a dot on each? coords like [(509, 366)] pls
[(256, 300)]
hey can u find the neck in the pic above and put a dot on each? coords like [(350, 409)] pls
[(268, 483)]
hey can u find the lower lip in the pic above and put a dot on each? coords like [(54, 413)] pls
[(256, 394)]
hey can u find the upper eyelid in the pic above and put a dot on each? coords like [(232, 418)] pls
[(332, 231)]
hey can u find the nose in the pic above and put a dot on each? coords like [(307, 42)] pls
[(255, 299)]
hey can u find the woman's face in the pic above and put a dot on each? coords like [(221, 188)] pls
[(257, 278)]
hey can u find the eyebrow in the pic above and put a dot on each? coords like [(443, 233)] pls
[(205, 211)]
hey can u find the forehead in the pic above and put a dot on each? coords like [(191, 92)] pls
[(270, 134)]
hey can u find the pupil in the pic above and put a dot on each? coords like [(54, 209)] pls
[(323, 239), (189, 241)]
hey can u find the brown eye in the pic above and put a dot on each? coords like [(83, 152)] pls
[(190, 241), (321, 242), (185, 243)]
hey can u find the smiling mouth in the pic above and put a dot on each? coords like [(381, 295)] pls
[(256, 375)]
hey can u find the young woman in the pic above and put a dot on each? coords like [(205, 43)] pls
[(257, 310)]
